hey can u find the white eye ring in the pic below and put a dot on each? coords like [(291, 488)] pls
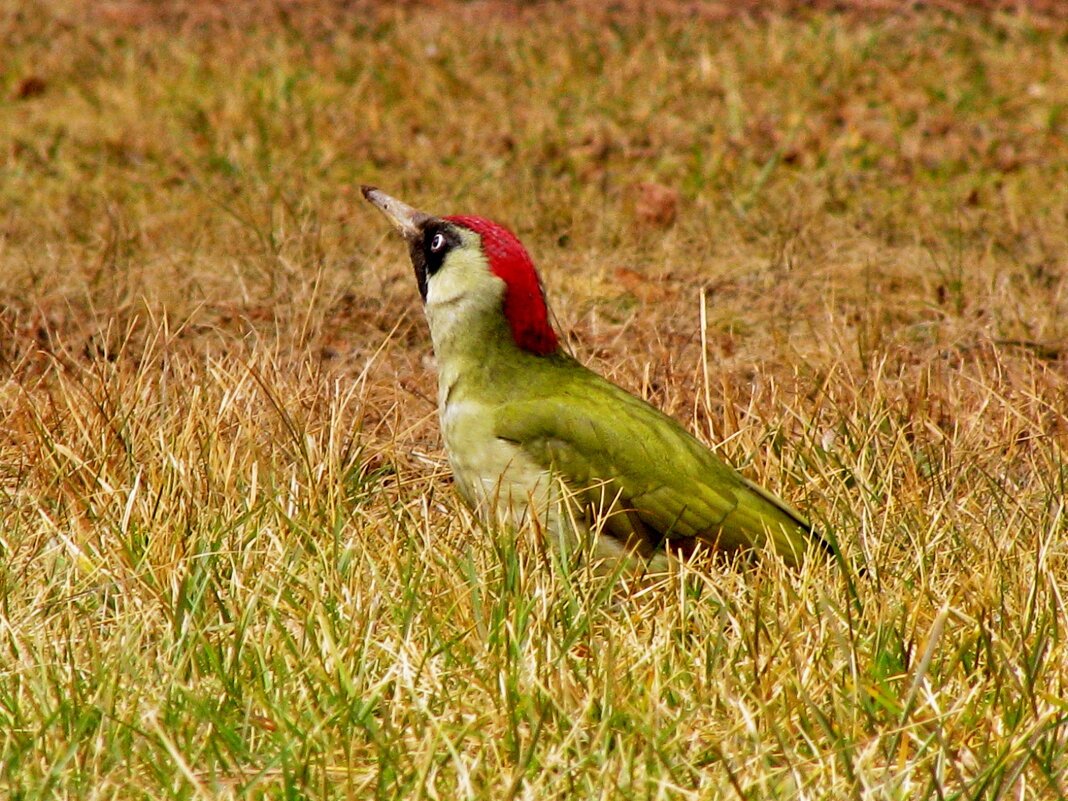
[(437, 243)]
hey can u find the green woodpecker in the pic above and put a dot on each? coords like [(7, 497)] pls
[(531, 433)]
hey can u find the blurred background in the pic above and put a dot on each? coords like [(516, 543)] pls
[(827, 236)]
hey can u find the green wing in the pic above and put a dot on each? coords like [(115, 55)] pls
[(666, 485)]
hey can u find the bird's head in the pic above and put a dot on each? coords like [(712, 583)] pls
[(475, 266)]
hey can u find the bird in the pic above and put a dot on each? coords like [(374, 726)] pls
[(533, 435)]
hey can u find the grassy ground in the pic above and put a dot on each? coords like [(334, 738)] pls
[(231, 563)]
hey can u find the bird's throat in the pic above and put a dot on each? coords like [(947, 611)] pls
[(463, 333)]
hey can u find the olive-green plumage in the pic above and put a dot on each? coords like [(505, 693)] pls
[(529, 429), (677, 488), (668, 487)]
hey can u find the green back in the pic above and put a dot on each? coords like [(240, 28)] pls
[(594, 435)]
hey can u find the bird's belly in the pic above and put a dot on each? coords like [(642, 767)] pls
[(505, 486), (495, 477)]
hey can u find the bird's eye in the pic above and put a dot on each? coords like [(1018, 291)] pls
[(437, 244)]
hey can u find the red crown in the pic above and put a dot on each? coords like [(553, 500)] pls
[(524, 301)]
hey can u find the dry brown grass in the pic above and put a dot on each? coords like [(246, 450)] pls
[(231, 561)]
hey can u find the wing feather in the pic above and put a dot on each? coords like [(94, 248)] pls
[(679, 490)]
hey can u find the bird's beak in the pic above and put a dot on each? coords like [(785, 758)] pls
[(404, 218)]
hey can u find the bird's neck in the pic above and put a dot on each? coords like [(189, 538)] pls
[(475, 349), (463, 333)]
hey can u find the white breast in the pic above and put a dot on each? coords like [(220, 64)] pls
[(507, 487), (494, 476)]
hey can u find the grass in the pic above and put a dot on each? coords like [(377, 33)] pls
[(231, 563)]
